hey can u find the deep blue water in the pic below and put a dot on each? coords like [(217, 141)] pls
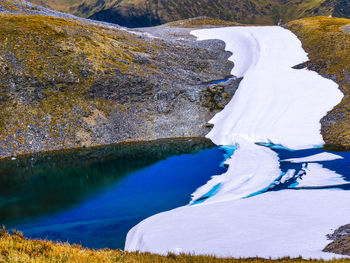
[(94, 197)]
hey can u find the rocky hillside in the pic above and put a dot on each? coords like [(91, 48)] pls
[(67, 83), (327, 40), (138, 13), (340, 241)]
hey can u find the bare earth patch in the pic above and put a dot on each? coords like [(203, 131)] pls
[(341, 241)]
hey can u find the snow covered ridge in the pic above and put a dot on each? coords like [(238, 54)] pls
[(274, 103)]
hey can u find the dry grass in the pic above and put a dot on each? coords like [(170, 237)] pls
[(15, 248), (55, 52)]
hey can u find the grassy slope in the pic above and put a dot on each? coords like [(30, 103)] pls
[(15, 248), (64, 57), (328, 46), (13, 6), (161, 11)]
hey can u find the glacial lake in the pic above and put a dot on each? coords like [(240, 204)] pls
[(93, 197)]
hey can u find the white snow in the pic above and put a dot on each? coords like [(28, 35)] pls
[(317, 175), (275, 224), (288, 175), (273, 104), (320, 157), (252, 168)]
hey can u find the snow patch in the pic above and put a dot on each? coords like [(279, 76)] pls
[(252, 168), (320, 157), (275, 224), (274, 102), (318, 176)]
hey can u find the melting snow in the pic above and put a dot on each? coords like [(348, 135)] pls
[(252, 168), (316, 175), (275, 224), (325, 156), (274, 104)]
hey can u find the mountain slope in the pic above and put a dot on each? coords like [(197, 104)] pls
[(67, 83), (137, 13)]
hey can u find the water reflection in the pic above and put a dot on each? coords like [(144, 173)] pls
[(94, 196)]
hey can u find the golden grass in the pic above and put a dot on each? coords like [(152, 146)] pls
[(328, 46), (15, 248)]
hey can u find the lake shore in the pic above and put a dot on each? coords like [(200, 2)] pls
[(14, 247)]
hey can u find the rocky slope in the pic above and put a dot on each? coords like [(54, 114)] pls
[(66, 83), (138, 13), (340, 241)]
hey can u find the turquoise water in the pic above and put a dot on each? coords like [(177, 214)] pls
[(94, 196)]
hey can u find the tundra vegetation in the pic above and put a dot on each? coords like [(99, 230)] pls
[(16, 248)]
